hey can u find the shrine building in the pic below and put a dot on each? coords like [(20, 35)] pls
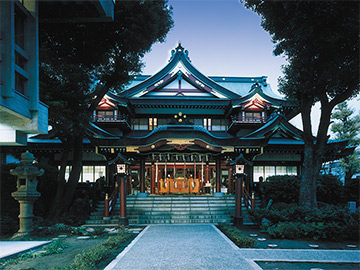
[(180, 124), (182, 132)]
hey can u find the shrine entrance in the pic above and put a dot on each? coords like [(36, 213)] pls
[(182, 178)]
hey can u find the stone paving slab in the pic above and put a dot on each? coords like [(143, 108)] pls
[(203, 246), (11, 248)]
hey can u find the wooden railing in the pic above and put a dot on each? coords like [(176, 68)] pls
[(110, 118), (249, 200), (110, 203)]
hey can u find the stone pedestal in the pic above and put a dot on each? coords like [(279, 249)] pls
[(26, 193)]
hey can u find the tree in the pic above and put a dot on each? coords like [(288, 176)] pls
[(321, 43), (81, 62), (347, 127)]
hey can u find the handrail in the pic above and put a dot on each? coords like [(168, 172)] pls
[(110, 202), (248, 200)]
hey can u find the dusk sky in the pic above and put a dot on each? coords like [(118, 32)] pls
[(223, 38)]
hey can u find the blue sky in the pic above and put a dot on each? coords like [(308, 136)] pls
[(223, 38)]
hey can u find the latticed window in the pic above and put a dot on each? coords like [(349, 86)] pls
[(266, 171)]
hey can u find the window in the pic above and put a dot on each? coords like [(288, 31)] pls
[(20, 83), (89, 173), (253, 116), (266, 171), (20, 28), (218, 125), (207, 123), (152, 123), (140, 124), (108, 114)]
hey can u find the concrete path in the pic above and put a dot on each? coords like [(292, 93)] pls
[(205, 247), (11, 248)]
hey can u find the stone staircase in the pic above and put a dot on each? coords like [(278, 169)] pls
[(173, 210)]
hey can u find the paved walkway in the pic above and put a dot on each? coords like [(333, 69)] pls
[(10, 248), (205, 247)]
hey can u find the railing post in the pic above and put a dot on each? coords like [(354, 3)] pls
[(106, 213), (253, 200)]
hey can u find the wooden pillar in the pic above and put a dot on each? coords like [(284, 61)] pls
[(152, 179), (129, 183), (142, 175), (218, 174), (207, 173), (238, 219), (230, 179), (123, 217)]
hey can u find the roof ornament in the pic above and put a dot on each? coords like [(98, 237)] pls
[(255, 86), (179, 50)]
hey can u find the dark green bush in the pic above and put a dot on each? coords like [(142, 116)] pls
[(282, 188), (240, 239), (328, 222), (284, 230), (329, 189), (352, 191), (285, 189)]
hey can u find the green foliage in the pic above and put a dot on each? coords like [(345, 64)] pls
[(55, 247), (329, 189), (347, 127), (309, 33), (282, 188), (327, 222), (90, 258), (285, 189), (81, 62), (237, 236), (352, 191), (284, 230)]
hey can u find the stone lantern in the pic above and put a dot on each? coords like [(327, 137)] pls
[(26, 193)]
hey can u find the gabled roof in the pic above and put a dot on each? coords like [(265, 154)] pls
[(257, 94), (277, 127), (179, 67)]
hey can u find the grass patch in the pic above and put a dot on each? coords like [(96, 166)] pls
[(54, 247), (100, 254), (235, 235)]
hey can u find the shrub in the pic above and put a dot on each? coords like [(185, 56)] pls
[(90, 258), (282, 188), (240, 239), (285, 188), (329, 189), (284, 230), (328, 222)]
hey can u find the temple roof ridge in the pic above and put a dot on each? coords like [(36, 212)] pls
[(180, 50)]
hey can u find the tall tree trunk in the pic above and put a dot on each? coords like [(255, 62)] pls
[(74, 177), (56, 206), (307, 196)]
